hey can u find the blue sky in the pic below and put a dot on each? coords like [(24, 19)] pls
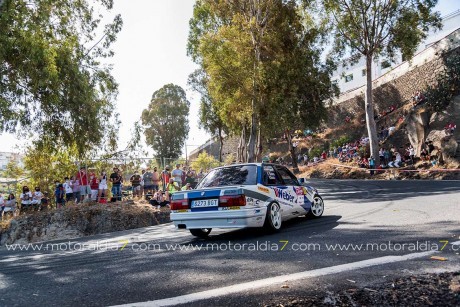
[(151, 52)]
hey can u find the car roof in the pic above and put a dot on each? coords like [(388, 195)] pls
[(244, 164)]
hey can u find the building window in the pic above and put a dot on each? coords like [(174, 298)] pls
[(349, 78), (385, 64), (363, 72)]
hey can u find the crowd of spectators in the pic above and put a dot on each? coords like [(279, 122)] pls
[(156, 187)]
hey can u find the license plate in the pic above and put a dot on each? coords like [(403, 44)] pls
[(205, 203)]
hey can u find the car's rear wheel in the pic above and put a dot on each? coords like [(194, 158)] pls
[(273, 219), (317, 207), (201, 233)]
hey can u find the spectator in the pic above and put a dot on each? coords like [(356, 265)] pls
[(165, 176), (189, 177), (391, 130), (424, 155), (36, 199), (10, 205), (82, 178), (172, 188), (2, 204), (94, 185), (102, 188), (372, 165), (156, 179), (115, 179), (200, 175), (323, 155), (450, 128), (187, 187), (142, 184), (76, 189), (412, 154), (26, 199), (184, 175), (136, 184), (148, 181), (177, 175), (59, 194), (44, 202), (159, 200), (68, 190)]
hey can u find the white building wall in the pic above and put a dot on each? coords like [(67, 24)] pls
[(6, 157), (451, 22)]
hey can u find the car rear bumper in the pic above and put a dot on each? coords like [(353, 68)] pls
[(241, 218)]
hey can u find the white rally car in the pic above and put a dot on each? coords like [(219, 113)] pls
[(244, 195)]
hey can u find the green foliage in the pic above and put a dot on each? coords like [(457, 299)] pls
[(205, 162), (342, 140), (165, 121), (315, 152), (52, 83), (261, 65), (13, 170), (45, 164), (447, 86), (229, 159)]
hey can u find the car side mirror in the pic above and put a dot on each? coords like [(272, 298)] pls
[(301, 180)]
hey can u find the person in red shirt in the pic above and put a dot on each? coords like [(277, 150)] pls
[(165, 175), (324, 155), (82, 178), (94, 185)]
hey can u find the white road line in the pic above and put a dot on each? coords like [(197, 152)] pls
[(247, 286)]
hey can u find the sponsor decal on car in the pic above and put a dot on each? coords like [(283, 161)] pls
[(283, 194), (263, 189)]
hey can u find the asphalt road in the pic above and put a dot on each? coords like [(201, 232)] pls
[(364, 222)]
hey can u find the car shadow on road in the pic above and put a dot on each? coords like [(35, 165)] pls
[(323, 224), (379, 190)]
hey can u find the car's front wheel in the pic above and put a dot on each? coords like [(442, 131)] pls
[(273, 218), (201, 233), (317, 207)]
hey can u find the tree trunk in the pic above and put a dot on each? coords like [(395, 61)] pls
[(221, 140), (291, 149), (369, 108), (259, 144), (240, 155), (252, 138)]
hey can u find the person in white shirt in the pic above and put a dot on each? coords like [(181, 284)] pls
[(36, 198), (68, 189), (26, 198)]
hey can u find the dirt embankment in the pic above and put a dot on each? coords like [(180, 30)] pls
[(80, 220), (425, 290), (333, 169)]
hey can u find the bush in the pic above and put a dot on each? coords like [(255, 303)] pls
[(315, 152), (342, 140)]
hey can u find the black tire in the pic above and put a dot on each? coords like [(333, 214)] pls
[(201, 233), (317, 207), (273, 219)]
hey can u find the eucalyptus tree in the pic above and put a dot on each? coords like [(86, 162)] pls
[(52, 81), (377, 29)]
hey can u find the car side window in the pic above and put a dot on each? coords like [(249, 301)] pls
[(270, 176), (287, 176)]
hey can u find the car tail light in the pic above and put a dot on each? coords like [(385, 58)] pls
[(232, 201), (179, 204)]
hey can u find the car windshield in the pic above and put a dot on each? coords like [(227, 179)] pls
[(231, 175)]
